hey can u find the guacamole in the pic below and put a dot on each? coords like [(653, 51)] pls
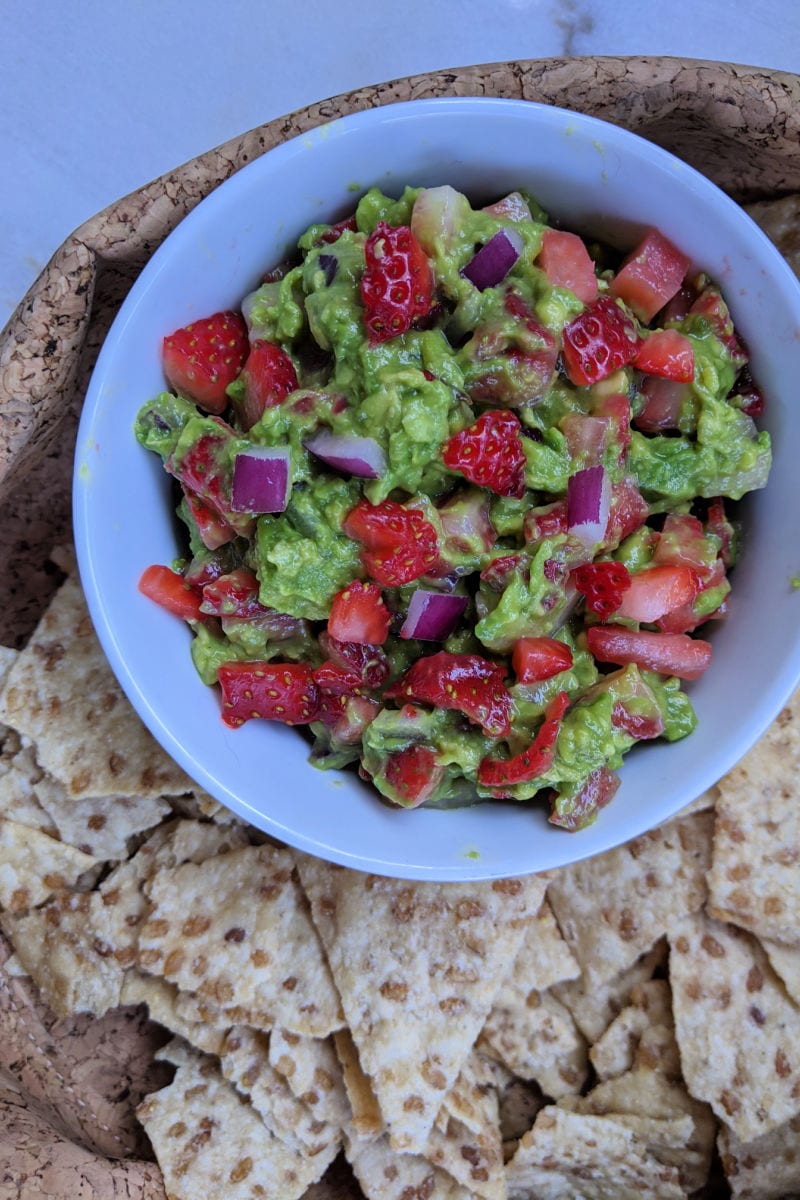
[(458, 490)]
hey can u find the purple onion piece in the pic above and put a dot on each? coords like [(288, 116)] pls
[(588, 505), (361, 456), (494, 260), (261, 480), (432, 616), (329, 265)]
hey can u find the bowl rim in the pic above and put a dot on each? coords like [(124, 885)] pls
[(204, 211)]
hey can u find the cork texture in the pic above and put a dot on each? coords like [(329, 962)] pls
[(68, 1089)]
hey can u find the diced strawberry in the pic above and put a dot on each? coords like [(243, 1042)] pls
[(566, 263), (655, 591), (513, 206), (530, 763), (615, 410), (357, 712), (233, 595), (521, 356), (629, 511), (667, 354), (397, 284), (686, 618), (204, 357), (283, 692), (399, 544), (668, 653), (603, 584), (642, 726), (269, 377), (334, 232), (683, 541), (717, 522), (710, 304), (358, 614), (600, 787), (497, 574), (746, 394), (167, 588), (214, 530), (413, 775), (585, 437), (535, 659), (489, 453), (369, 663), (336, 684), (546, 522), (466, 682), (204, 470), (598, 342), (650, 276), (664, 400)]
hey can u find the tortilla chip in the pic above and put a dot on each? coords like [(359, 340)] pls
[(313, 1072), (19, 773), (594, 1007), (765, 1169), (614, 907), (587, 1157), (33, 866), (780, 220), (367, 1121), (785, 962), (465, 1140), (244, 1061), (418, 977), (99, 825), (235, 930), (755, 872), (643, 1030), (538, 1043), (738, 1032), (544, 959), (58, 948), (61, 693), (211, 1142), (384, 1174), (124, 902), (159, 996), (701, 803)]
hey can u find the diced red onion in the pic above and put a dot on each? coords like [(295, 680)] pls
[(361, 456), (432, 616), (494, 260), (260, 480), (329, 265), (588, 505)]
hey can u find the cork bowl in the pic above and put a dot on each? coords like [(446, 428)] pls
[(591, 176)]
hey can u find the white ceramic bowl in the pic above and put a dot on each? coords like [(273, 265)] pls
[(595, 178)]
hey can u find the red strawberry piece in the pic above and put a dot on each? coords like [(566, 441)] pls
[(567, 264), (368, 663), (467, 683), (412, 775), (489, 453), (667, 354), (269, 377), (650, 276), (272, 691), (214, 530), (399, 544), (397, 284), (546, 522), (334, 232), (337, 684), (669, 653), (530, 763), (358, 614), (233, 595), (535, 659), (603, 584), (204, 357), (167, 588), (600, 787), (598, 342), (204, 469)]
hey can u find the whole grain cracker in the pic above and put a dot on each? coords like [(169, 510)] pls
[(99, 825), (244, 1061), (767, 1168), (594, 1006), (61, 693), (614, 907), (367, 1121), (465, 1140), (644, 1028), (585, 1157), (418, 978), (235, 930), (754, 879), (785, 962), (738, 1032), (19, 773), (540, 1042), (312, 1070), (385, 1174), (58, 948), (211, 1142), (544, 959), (33, 866)]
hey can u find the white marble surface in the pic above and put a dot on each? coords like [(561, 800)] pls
[(99, 97)]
